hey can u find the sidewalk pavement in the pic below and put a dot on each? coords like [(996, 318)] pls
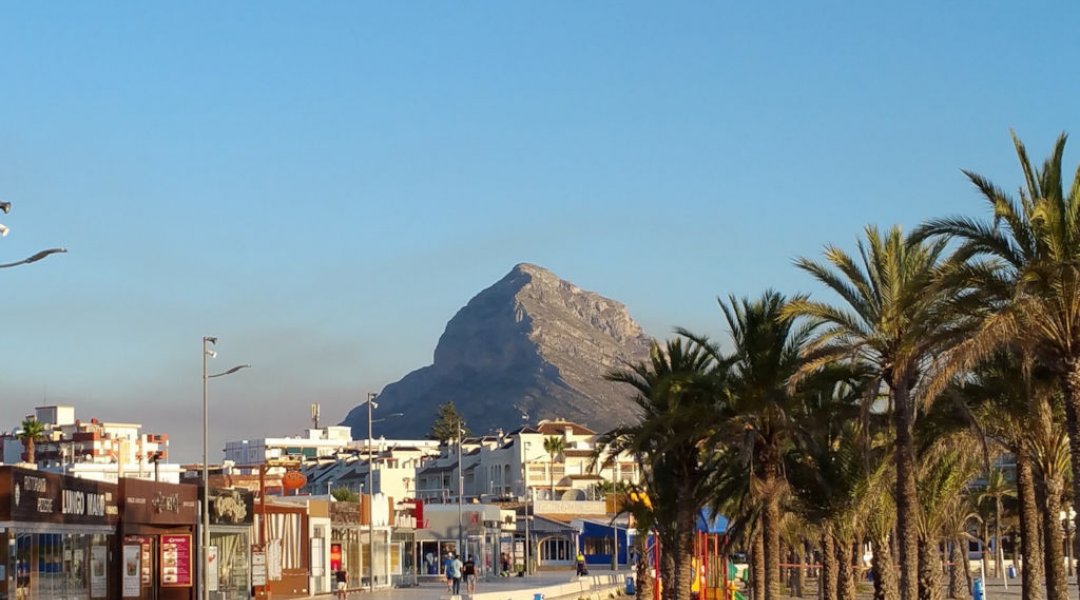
[(434, 590)]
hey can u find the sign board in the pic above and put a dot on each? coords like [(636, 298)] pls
[(132, 576), (212, 566), (176, 555), (38, 497), (335, 558), (258, 566)]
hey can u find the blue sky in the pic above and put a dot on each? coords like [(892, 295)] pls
[(323, 185)]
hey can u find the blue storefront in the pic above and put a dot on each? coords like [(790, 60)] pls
[(597, 539)]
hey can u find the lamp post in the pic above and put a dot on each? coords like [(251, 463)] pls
[(371, 496), (460, 492), (208, 353), (5, 207)]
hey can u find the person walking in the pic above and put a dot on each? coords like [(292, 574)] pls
[(342, 579), (454, 573), (581, 569), (447, 566), (469, 573)]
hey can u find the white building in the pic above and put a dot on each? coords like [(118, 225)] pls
[(95, 449)]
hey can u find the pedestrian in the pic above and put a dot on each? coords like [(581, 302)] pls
[(447, 567), (454, 573), (581, 570), (342, 579), (469, 573), (505, 558)]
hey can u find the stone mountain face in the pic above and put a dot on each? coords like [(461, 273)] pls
[(529, 344)]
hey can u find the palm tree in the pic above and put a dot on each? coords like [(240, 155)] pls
[(31, 430), (675, 396), (894, 319), (1028, 256), (553, 446), (765, 354)]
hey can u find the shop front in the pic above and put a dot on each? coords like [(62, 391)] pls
[(158, 547), (232, 519), (57, 536), (345, 542)]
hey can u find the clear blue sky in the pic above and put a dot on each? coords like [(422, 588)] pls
[(323, 185)]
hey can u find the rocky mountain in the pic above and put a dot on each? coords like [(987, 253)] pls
[(531, 344)]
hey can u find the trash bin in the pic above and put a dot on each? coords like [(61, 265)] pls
[(538, 597), (630, 586), (977, 589), (1011, 571)]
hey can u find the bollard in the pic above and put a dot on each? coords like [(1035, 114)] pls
[(630, 586), (977, 591)]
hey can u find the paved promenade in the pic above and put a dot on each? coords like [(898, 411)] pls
[(501, 588)]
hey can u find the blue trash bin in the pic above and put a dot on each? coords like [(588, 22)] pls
[(1011, 571), (538, 597), (977, 589), (630, 586)]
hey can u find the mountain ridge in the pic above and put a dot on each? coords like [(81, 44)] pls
[(530, 344)]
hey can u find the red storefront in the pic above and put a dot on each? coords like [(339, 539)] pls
[(158, 549)]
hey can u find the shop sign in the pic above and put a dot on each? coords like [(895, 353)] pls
[(52, 498), (159, 503), (212, 568), (231, 507), (176, 567)]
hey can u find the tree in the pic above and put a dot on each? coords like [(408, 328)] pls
[(448, 422), (1028, 256), (894, 319), (553, 446), (675, 397), (344, 494), (765, 354), (31, 431)]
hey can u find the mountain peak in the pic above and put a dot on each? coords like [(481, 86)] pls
[(530, 343)]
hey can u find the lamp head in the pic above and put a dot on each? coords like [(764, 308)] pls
[(6, 207)]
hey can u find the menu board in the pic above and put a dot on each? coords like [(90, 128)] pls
[(212, 568), (176, 557), (258, 567)]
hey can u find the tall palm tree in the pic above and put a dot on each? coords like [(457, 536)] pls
[(765, 354), (554, 446), (675, 396), (1029, 256), (894, 319), (31, 430)]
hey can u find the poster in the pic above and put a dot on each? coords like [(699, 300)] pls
[(99, 579), (147, 564), (258, 567), (212, 566), (273, 560), (395, 558), (176, 557), (132, 570), (335, 558)]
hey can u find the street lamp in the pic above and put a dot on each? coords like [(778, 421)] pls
[(207, 353), (460, 491), (371, 496), (5, 207)]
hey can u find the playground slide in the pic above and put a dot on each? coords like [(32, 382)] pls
[(738, 595)]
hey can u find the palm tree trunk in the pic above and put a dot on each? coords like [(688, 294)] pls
[(828, 578), (1031, 583), (644, 587), (770, 525), (906, 500), (667, 573), (881, 565), (683, 549), (929, 570), (799, 572), (958, 557), (1056, 584), (845, 571), (1072, 424), (757, 564)]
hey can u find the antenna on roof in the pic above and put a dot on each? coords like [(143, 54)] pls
[(315, 415)]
